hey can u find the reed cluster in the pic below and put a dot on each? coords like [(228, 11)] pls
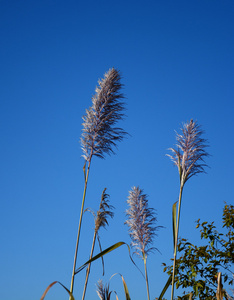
[(100, 136)]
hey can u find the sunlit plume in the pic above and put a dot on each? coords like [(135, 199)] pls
[(141, 222), (105, 211), (190, 152), (99, 134)]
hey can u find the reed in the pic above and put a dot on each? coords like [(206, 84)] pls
[(188, 156), (142, 230), (100, 134)]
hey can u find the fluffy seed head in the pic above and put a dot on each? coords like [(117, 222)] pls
[(141, 222), (190, 151), (99, 134), (103, 291), (105, 211)]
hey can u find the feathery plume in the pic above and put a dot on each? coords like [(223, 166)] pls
[(103, 291), (141, 222), (99, 134), (105, 211), (190, 152)]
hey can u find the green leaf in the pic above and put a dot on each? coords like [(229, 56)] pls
[(84, 170), (174, 223), (165, 287), (124, 284), (99, 242), (53, 283), (104, 252), (125, 288)]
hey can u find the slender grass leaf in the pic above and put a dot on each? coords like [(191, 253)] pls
[(104, 252), (174, 223), (100, 246), (115, 295), (124, 284), (165, 287), (84, 170), (53, 283), (125, 289)]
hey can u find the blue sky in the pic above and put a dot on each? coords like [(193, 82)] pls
[(176, 60)]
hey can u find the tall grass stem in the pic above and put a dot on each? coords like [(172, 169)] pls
[(79, 228), (89, 265), (146, 277), (176, 240)]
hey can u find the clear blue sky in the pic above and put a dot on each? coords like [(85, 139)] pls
[(176, 60)]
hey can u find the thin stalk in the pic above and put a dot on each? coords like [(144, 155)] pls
[(146, 277), (89, 266), (176, 239), (79, 228)]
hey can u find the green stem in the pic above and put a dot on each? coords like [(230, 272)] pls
[(89, 266), (176, 239), (79, 228), (146, 276)]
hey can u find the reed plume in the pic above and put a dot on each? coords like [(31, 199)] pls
[(188, 156), (141, 222), (101, 220), (190, 152), (103, 291), (105, 211), (100, 134)]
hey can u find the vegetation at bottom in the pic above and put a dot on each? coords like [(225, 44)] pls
[(198, 267), (200, 271)]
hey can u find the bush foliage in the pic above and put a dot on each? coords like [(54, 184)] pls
[(198, 266)]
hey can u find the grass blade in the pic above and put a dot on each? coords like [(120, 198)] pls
[(125, 289), (165, 287), (174, 223), (50, 286), (104, 252), (100, 246), (124, 285)]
